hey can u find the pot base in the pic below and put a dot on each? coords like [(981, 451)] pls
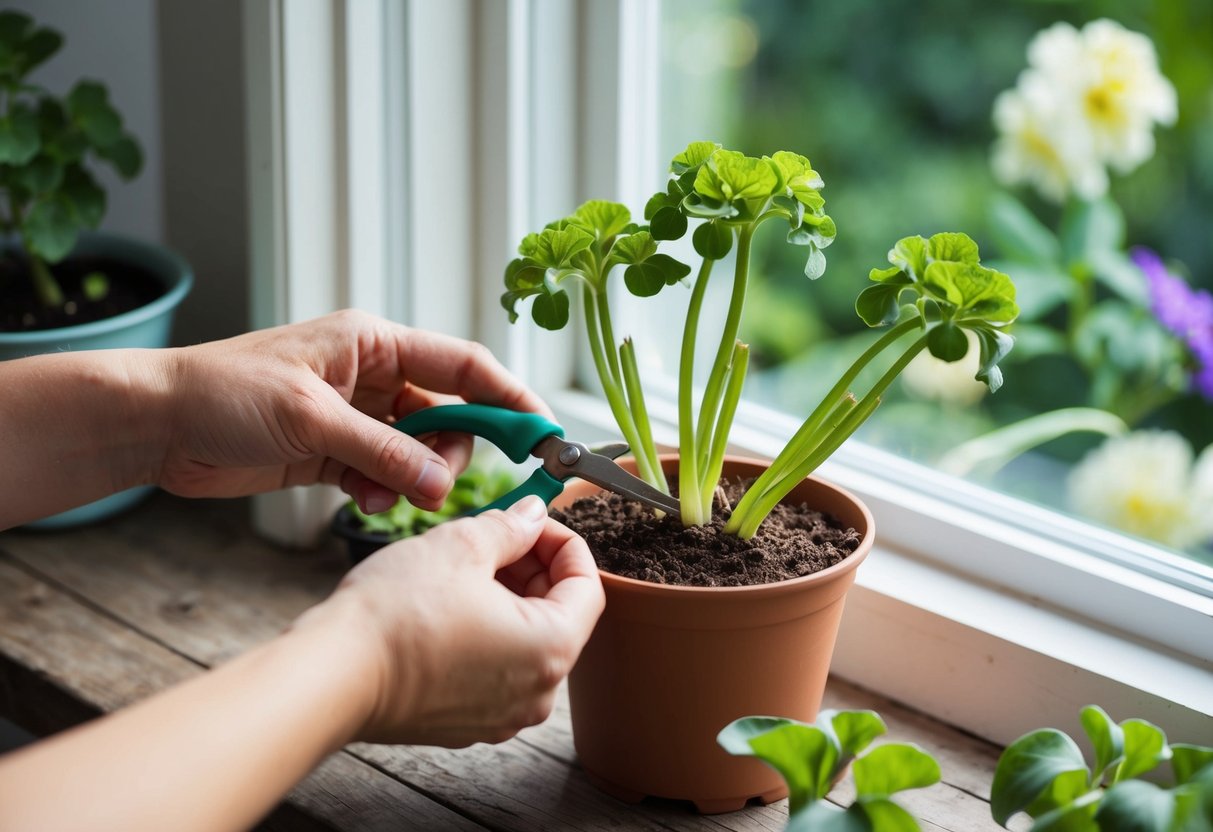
[(707, 806)]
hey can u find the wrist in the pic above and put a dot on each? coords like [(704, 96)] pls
[(340, 633)]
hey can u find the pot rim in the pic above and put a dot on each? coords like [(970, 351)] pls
[(173, 269), (830, 573)]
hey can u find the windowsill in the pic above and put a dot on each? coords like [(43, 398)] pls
[(990, 661)]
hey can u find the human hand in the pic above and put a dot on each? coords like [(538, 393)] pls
[(474, 625), (311, 402)]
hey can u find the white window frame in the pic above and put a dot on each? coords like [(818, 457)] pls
[(994, 626)]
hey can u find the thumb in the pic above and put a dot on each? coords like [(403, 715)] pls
[(496, 538), (385, 455)]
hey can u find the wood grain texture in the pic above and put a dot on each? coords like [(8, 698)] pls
[(98, 618)]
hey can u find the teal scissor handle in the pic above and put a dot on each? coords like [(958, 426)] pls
[(515, 433)]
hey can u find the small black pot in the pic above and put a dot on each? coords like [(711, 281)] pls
[(359, 543)]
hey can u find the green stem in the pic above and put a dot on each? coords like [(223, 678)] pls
[(720, 437), (749, 514), (998, 447), (614, 394), (640, 414), (608, 336), (710, 404), (688, 458), (806, 437), (45, 284)]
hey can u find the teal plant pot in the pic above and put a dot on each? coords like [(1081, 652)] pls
[(148, 326)]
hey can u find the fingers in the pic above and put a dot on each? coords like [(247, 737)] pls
[(383, 456), (576, 590), (467, 369), (495, 539)]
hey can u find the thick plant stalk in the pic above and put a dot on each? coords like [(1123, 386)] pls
[(710, 405), (688, 456), (791, 469), (615, 396), (45, 284), (640, 413), (720, 437)]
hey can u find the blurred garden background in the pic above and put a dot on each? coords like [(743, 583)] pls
[(893, 102)]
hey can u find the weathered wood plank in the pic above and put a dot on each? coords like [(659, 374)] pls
[(62, 662), (189, 575)]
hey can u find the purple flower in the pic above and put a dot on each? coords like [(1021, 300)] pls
[(1185, 311)]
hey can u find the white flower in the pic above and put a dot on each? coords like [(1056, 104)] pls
[(952, 382), (1039, 143), (1144, 483), (1087, 100)]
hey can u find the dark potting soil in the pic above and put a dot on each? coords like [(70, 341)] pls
[(628, 540), (130, 287)]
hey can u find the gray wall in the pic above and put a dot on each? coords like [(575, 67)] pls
[(174, 70)]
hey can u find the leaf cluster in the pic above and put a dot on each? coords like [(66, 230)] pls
[(1043, 773), (46, 143), (729, 189), (474, 488), (813, 757), (586, 245), (941, 280)]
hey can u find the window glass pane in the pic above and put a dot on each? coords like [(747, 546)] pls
[(895, 104)]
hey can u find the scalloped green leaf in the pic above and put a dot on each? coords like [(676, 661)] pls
[(125, 155), (953, 246), (1066, 788), (973, 291), (697, 205), (713, 240), (1145, 746), (1136, 805), (1027, 767), (893, 768), (803, 754), (886, 816), (877, 305), (909, 255), (634, 248), (729, 176), (1107, 738), (650, 276), (554, 248), (854, 729), (995, 346), (19, 138), (89, 107), (85, 196), (50, 229), (36, 49), (551, 310), (1187, 760), (947, 342), (668, 224), (696, 154), (601, 218), (1078, 816)]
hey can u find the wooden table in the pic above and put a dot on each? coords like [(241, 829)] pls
[(94, 619)]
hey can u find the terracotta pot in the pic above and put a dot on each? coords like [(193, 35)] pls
[(669, 666)]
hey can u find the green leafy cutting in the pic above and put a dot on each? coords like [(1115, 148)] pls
[(474, 488), (1044, 775), (936, 288), (46, 147), (812, 758)]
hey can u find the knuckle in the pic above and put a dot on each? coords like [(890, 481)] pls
[(396, 453), (553, 667)]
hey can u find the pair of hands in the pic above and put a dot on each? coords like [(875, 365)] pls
[(470, 627)]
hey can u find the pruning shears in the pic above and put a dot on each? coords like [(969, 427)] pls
[(520, 435)]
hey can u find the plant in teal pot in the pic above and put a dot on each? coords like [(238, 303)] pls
[(63, 285)]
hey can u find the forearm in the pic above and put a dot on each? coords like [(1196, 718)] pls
[(215, 753), (75, 427)]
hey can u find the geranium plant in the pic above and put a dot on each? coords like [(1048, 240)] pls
[(1044, 774), (47, 144), (813, 757), (934, 292)]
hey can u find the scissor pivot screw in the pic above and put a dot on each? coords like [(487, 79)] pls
[(569, 454)]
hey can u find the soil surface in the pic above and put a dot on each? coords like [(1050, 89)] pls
[(21, 311), (628, 540)]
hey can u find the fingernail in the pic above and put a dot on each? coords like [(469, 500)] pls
[(378, 501), (434, 481), (530, 508)]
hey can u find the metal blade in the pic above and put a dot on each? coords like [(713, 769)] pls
[(613, 450), (563, 459)]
